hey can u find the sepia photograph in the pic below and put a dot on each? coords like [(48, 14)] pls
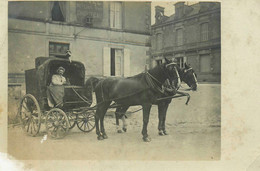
[(129, 85), (98, 80)]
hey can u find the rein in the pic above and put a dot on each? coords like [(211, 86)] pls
[(81, 97), (150, 78)]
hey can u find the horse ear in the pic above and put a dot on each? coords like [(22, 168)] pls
[(167, 61)]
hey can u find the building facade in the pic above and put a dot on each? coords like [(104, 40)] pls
[(110, 38), (191, 35)]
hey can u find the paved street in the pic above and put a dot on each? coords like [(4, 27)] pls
[(194, 134)]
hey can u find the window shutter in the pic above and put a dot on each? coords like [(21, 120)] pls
[(126, 63), (106, 61)]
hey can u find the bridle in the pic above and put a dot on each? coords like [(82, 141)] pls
[(185, 76), (150, 79)]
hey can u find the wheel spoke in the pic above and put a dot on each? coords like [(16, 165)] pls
[(31, 127), (80, 121), (25, 107), (35, 124), (28, 125), (81, 125), (90, 124), (87, 125)]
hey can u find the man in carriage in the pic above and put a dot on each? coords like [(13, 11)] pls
[(55, 92)]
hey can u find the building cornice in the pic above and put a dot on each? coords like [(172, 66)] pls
[(184, 19), (212, 44), (82, 25), (71, 37)]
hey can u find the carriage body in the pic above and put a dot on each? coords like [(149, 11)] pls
[(38, 79), (34, 108)]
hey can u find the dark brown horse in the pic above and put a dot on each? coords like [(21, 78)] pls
[(186, 75), (143, 89)]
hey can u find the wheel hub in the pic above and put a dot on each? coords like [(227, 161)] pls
[(56, 123)]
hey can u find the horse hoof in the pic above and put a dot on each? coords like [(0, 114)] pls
[(105, 136), (161, 133), (119, 131), (100, 137), (124, 129), (146, 139), (165, 133)]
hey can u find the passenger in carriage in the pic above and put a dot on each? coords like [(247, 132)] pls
[(59, 79), (55, 92)]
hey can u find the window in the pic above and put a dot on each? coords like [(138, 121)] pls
[(116, 66), (159, 41), (179, 37), (116, 15), (205, 63), (204, 31), (58, 49), (58, 11)]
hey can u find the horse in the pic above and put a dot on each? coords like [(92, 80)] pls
[(143, 89), (186, 75)]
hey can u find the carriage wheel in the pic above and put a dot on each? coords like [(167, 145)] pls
[(86, 121), (72, 120), (30, 114), (57, 123)]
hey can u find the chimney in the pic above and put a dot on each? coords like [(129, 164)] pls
[(159, 13), (179, 9)]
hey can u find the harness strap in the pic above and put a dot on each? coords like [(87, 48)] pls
[(179, 80), (150, 82), (85, 100)]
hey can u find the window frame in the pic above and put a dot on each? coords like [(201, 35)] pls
[(200, 59), (116, 21), (65, 16), (178, 42), (204, 32), (55, 54), (159, 41), (115, 51)]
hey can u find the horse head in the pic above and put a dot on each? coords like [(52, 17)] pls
[(170, 68), (189, 76)]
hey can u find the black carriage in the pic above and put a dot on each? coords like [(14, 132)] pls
[(34, 109)]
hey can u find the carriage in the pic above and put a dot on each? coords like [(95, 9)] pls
[(34, 109)]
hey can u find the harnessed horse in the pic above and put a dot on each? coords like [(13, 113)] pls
[(186, 75), (143, 89)]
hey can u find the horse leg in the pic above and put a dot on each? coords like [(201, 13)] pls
[(97, 118), (146, 114), (164, 117), (160, 117), (120, 114), (117, 120), (103, 112)]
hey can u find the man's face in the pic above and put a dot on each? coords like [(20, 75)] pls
[(61, 72)]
